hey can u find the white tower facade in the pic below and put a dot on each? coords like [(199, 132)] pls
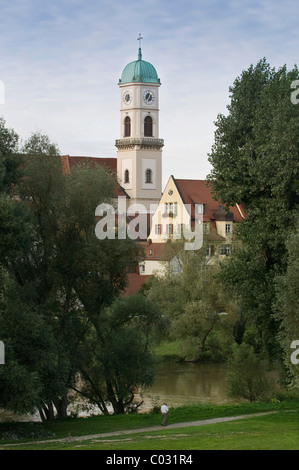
[(139, 148)]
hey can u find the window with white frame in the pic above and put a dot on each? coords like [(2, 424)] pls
[(225, 249), (200, 208), (169, 229), (171, 208), (158, 229), (228, 229), (142, 268)]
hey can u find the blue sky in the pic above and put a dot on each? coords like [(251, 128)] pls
[(61, 62)]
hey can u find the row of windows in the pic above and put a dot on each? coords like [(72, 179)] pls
[(169, 230), (223, 250), (148, 176), (171, 208), (148, 126)]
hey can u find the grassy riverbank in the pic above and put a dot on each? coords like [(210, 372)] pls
[(279, 430)]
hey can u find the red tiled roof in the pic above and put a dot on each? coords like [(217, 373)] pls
[(197, 192), (109, 163), (157, 251), (134, 283), (69, 162)]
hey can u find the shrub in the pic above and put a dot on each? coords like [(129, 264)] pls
[(246, 377)]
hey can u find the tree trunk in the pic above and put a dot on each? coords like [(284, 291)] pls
[(47, 412), (61, 407), (118, 406)]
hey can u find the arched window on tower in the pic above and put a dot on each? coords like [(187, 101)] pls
[(127, 126), (148, 126), (127, 177), (148, 176)]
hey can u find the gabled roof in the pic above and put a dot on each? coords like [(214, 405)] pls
[(197, 192)]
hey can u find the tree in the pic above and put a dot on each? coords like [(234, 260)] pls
[(119, 359), (255, 162), (246, 377), (287, 310), (19, 386), (9, 159), (58, 275), (194, 300)]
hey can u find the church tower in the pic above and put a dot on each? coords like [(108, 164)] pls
[(139, 148)]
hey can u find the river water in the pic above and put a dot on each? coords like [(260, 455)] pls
[(177, 384), (187, 383)]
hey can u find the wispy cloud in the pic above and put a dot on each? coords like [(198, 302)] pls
[(61, 61)]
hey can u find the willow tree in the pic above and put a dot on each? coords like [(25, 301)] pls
[(118, 358), (49, 302)]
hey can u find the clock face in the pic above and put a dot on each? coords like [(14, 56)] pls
[(148, 97), (127, 97)]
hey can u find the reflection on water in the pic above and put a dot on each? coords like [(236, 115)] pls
[(186, 383), (177, 384)]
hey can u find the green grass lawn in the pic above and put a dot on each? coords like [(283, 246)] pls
[(278, 431)]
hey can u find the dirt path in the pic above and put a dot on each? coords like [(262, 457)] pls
[(135, 431)]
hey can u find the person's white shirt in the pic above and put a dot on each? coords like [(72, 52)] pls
[(164, 409)]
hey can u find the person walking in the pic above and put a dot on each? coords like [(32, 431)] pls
[(164, 412)]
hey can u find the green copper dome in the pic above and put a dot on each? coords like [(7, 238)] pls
[(139, 71)]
